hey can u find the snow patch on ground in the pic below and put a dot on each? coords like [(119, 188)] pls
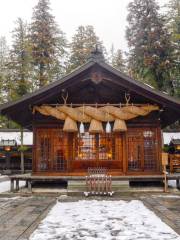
[(102, 220), (166, 196), (2, 176), (2, 199), (172, 183), (5, 186)]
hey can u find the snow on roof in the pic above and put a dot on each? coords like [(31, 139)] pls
[(168, 136), (176, 141), (27, 137), (149, 85)]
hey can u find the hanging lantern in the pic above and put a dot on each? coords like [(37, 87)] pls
[(108, 127), (81, 128)]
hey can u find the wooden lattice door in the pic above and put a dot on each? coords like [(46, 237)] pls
[(51, 150), (98, 150), (135, 151), (43, 149), (142, 149)]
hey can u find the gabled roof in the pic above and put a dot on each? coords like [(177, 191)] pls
[(113, 81)]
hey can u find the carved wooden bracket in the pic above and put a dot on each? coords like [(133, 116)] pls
[(96, 77)]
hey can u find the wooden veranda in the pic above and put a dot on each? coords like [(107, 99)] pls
[(30, 179)]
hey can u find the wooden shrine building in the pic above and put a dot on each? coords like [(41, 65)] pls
[(95, 117)]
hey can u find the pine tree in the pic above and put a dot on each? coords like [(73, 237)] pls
[(150, 45), (4, 59), (21, 61), (83, 43), (173, 23), (48, 44), (117, 60), (4, 71)]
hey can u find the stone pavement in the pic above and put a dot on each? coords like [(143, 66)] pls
[(166, 207), (20, 216)]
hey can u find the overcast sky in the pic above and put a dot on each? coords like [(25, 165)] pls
[(107, 16)]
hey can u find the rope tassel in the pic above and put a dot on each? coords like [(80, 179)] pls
[(95, 116)]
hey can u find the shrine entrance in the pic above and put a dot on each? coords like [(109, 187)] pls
[(61, 152), (58, 151), (98, 150)]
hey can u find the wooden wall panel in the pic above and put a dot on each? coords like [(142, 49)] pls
[(143, 149), (131, 152)]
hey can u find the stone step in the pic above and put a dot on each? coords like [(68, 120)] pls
[(76, 185), (120, 185), (81, 185)]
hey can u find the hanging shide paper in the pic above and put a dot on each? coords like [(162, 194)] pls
[(81, 128), (108, 127)]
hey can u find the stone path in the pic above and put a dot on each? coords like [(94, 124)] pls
[(167, 208), (20, 216)]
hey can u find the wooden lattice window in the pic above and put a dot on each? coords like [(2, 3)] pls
[(150, 149), (85, 146), (142, 149), (105, 146), (52, 147), (43, 149), (135, 153), (60, 150)]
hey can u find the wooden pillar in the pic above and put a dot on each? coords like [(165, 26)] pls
[(12, 185), (17, 184), (164, 164), (124, 154), (22, 152), (8, 160), (26, 185), (178, 183), (29, 185), (165, 181)]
